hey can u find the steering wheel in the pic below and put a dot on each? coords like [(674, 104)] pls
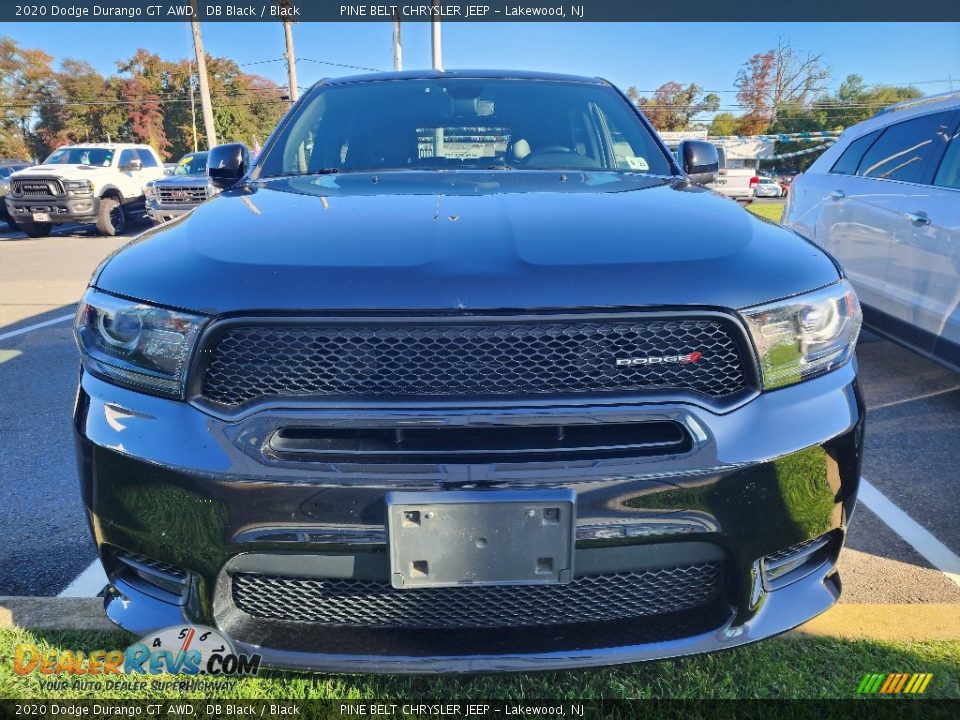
[(549, 150)]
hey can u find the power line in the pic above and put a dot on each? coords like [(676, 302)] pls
[(343, 65)]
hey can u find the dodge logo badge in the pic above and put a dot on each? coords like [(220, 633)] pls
[(658, 359)]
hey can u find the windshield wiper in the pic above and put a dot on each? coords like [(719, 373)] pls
[(325, 171)]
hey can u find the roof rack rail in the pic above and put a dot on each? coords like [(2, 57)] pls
[(919, 101)]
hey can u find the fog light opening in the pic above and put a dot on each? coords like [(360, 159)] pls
[(795, 562)]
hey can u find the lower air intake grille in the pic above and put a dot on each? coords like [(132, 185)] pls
[(372, 603), (494, 359)]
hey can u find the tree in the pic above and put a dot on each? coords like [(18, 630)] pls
[(777, 79), (724, 123), (674, 106), (80, 106), (144, 93), (855, 101), (25, 76)]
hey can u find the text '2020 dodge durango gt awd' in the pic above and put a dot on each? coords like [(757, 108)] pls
[(467, 373)]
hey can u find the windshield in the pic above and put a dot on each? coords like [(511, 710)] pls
[(192, 164), (459, 123), (80, 156)]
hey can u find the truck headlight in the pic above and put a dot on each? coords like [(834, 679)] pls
[(805, 335), (135, 344), (149, 192), (79, 187)]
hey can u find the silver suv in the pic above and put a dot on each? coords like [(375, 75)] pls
[(885, 202)]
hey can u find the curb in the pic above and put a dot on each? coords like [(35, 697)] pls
[(54, 613), (886, 622), (899, 622)]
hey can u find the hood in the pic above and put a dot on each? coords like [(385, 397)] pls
[(199, 180), (465, 241), (65, 171)]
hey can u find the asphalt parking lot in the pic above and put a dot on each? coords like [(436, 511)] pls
[(911, 459)]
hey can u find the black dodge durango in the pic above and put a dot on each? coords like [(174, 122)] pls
[(467, 373)]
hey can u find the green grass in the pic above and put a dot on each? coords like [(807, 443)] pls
[(769, 211), (786, 667)]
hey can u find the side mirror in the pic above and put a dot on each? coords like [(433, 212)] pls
[(226, 164), (700, 161), (134, 165)]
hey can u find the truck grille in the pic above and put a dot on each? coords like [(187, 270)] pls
[(176, 195), (414, 358), (37, 187), (370, 603)]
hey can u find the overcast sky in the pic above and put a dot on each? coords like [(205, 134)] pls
[(641, 54)]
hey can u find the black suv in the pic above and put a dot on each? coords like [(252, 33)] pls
[(466, 373)]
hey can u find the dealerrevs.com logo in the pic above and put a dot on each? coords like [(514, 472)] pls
[(177, 650)]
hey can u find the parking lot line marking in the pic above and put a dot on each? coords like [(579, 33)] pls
[(925, 396), (37, 326), (89, 583), (938, 554)]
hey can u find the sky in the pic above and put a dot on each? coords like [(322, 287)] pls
[(644, 55)]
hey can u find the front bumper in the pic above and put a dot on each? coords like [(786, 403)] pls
[(172, 484), (69, 209), (161, 213)]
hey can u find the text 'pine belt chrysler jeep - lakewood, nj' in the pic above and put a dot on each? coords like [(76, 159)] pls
[(96, 183), (485, 382)]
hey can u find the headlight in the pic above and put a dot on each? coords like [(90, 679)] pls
[(4, 187), (805, 335), (212, 189), (79, 186), (135, 344), (149, 192)]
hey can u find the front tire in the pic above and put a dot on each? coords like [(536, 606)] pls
[(36, 230), (111, 219)]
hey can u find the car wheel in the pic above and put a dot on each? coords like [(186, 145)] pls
[(111, 219), (36, 230)]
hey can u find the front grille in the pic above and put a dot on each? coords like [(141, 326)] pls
[(37, 187), (368, 603), (185, 195), (414, 358)]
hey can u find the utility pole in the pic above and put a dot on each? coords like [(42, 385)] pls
[(397, 47), (435, 39), (193, 109), (291, 61), (205, 104)]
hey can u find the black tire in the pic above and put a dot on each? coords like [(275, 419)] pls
[(36, 230), (111, 218)]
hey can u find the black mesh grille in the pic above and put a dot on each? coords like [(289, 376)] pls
[(372, 603), (162, 567), (397, 360)]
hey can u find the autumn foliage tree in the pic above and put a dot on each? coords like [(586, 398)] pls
[(777, 79), (146, 100), (673, 106), (25, 75)]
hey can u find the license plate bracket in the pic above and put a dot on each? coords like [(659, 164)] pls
[(479, 537)]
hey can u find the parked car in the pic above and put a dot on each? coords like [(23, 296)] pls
[(181, 191), (7, 168), (767, 187), (489, 381), (885, 201), (91, 183)]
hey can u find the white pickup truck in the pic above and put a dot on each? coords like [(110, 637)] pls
[(100, 183)]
